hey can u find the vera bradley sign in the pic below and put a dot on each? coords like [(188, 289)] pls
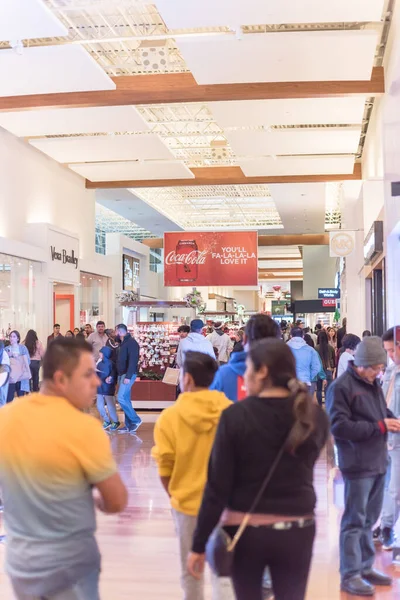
[(63, 256), (211, 258)]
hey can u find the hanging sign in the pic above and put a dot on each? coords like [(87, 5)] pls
[(222, 258), (328, 293), (328, 302), (341, 243)]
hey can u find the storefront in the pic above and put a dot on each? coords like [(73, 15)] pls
[(315, 311), (20, 294), (41, 283), (375, 279), (94, 298)]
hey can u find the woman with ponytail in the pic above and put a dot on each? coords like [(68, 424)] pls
[(278, 414)]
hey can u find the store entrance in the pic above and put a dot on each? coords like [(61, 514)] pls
[(64, 306)]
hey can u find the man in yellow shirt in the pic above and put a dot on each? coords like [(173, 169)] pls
[(56, 465), (184, 435)]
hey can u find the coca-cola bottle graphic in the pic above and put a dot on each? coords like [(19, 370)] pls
[(187, 268)]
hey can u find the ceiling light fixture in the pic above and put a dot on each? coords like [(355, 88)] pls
[(17, 46)]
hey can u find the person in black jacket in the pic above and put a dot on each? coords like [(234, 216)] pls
[(105, 393), (341, 333), (278, 412), (360, 421), (127, 367)]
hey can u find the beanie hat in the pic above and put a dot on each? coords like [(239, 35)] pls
[(370, 352)]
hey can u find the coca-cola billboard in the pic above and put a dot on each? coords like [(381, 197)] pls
[(210, 258)]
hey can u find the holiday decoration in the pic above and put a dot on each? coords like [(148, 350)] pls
[(195, 300), (240, 310), (125, 297), (277, 291)]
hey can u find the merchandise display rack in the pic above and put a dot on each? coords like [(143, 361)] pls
[(158, 343)]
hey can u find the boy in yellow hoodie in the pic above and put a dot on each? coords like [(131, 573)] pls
[(184, 435)]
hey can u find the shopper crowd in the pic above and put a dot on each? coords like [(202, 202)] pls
[(116, 354), (235, 453)]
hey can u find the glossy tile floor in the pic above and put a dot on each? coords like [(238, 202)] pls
[(140, 554)]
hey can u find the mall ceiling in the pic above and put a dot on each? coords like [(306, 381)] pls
[(235, 114)]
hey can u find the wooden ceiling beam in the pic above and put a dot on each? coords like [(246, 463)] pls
[(306, 239), (280, 278), (280, 270), (182, 87), (279, 259), (223, 176)]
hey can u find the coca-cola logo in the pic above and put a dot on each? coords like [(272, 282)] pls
[(192, 258)]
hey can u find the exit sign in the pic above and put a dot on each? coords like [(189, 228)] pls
[(328, 302)]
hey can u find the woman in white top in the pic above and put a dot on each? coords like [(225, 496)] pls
[(349, 343)]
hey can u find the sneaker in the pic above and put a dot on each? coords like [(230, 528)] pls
[(376, 536), (387, 538), (106, 425), (123, 429), (135, 427), (114, 426)]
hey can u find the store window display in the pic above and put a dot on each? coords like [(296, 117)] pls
[(19, 294), (93, 298)]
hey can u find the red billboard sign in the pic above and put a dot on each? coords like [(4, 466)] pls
[(328, 302), (210, 258)]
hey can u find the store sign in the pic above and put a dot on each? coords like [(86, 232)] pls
[(328, 302), (341, 243), (328, 293), (63, 262), (211, 258), (63, 256)]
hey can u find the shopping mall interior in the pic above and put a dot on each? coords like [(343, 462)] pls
[(165, 160)]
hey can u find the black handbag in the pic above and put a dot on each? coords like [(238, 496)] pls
[(220, 546)]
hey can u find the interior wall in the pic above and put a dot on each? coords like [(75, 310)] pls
[(36, 189), (319, 270)]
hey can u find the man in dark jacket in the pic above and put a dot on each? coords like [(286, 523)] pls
[(360, 421), (341, 333), (127, 367)]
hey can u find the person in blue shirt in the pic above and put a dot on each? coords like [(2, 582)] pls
[(308, 364), (229, 378)]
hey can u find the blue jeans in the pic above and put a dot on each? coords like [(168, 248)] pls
[(363, 505), (108, 415), (86, 588), (124, 399), (391, 501)]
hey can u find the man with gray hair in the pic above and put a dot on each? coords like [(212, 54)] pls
[(360, 422)]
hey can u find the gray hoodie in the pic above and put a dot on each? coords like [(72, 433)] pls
[(195, 342)]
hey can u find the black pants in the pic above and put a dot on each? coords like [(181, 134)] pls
[(329, 379), (35, 366), (12, 388), (287, 553)]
